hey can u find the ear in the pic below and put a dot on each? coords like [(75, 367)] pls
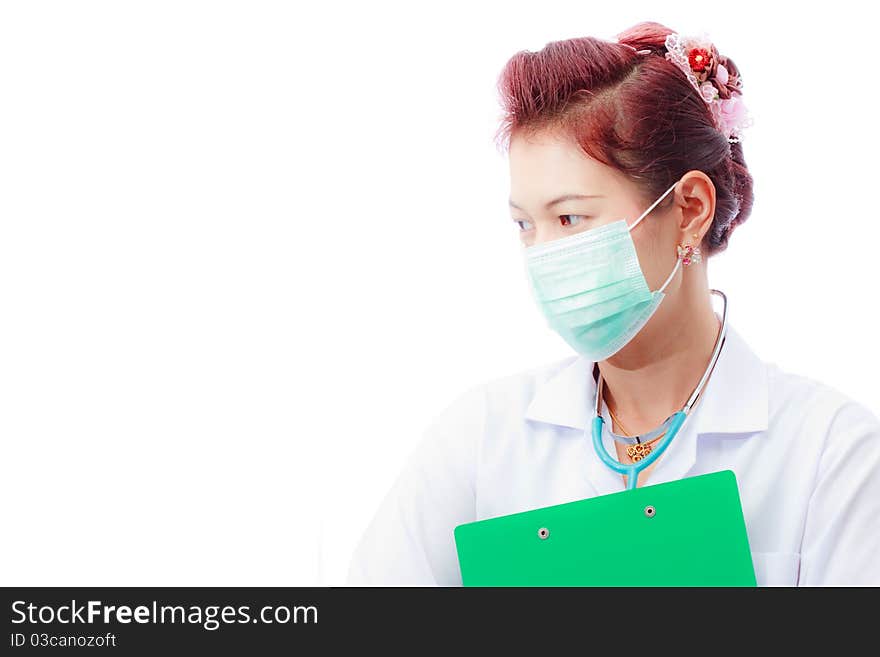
[(696, 198)]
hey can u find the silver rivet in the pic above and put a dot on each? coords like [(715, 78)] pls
[(650, 511), (543, 532)]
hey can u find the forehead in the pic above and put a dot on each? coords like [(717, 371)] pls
[(547, 164)]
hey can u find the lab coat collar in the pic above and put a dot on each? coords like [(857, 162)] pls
[(735, 401)]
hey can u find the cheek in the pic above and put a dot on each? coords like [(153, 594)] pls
[(657, 256)]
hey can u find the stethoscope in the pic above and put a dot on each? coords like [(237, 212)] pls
[(671, 425)]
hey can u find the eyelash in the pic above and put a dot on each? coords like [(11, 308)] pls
[(520, 222)]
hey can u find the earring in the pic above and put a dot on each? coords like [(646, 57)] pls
[(689, 254)]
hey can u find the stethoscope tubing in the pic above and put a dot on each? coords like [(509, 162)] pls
[(673, 423)]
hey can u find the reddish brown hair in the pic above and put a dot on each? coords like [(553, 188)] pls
[(635, 112)]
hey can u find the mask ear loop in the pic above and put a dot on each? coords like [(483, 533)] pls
[(674, 269), (653, 205), (645, 214)]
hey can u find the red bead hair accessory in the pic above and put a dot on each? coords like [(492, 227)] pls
[(715, 77)]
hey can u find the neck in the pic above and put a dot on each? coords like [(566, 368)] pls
[(655, 373)]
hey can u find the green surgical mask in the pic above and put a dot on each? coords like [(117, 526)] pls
[(591, 289)]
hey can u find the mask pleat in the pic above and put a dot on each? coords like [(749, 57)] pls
[(591, 289)]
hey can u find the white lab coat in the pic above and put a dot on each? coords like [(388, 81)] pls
[(806, 458)]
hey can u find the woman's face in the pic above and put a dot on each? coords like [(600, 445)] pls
[(557, 190)]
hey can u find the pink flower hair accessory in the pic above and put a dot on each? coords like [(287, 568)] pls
[(715, 78)]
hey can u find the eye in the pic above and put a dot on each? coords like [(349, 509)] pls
[(571, 219), (523, 224)]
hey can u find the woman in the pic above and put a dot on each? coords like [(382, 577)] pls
[(647, 129)]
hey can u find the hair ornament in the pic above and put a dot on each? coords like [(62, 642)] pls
[(715, 78)]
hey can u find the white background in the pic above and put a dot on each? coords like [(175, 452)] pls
[(249, 249)]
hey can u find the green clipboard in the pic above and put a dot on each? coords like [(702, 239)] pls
[(689, 532)]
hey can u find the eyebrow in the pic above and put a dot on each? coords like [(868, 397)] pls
[(565, 197)]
